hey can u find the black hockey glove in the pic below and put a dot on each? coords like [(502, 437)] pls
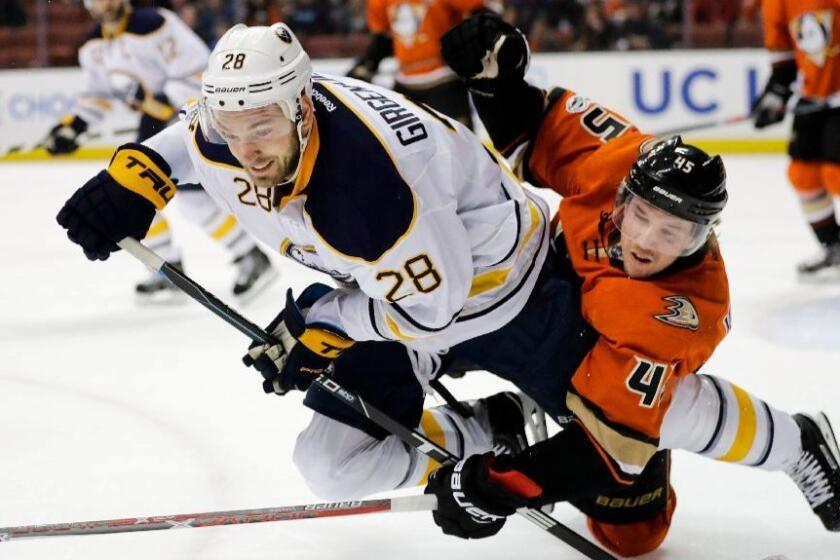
[(302, 352), (771, 106), (63, 137), (486, 52), (101, 213), (476, 495), (362, 70)]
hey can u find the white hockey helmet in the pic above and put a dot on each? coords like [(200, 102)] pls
[(253, 67), (89, 3)]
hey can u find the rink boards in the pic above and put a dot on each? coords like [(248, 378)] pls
[(656, 90)]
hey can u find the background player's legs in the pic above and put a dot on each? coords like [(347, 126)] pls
[(342, 455), (254, 270), (717, 419), (814, 177), (156, 288), (634, 520)]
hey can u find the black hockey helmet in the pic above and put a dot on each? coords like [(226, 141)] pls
[(682, 180)]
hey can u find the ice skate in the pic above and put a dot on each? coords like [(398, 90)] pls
[(824, 267), (158, 290), (817, 470), (254, 275)]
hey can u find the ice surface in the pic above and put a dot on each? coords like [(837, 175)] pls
[(108, 409)]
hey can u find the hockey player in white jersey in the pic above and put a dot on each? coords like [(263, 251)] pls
[(151, 62), (436, 247)]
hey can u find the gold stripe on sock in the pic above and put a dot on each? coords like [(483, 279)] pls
[(745, 437), (224, 229)]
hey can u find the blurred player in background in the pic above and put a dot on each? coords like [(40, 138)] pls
[(635, 223), (411, 30), (151, 61), (803, 36)]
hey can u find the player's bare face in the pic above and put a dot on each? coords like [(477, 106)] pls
[(651, 239), (107, 11), (264, 141)]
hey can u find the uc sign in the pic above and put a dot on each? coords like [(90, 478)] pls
[(25, 106), (698, 91)]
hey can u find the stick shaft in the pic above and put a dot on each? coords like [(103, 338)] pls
[(410, 437), (824, 105), (219, 518)]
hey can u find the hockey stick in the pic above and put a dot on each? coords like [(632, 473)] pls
[(824, 105), (408, 436), (423, 502)]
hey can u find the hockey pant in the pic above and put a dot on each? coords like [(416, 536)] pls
[(197, 206), (814, 170)]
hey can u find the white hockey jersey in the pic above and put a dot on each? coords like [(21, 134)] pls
[(153, 49), (433, 239)]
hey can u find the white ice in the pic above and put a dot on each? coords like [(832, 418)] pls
[(111, 410)]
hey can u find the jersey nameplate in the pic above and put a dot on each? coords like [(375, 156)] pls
[(399, 118)]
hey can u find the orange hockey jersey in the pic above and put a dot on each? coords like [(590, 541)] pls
[(808, 30), (416, 27), (652, 331)]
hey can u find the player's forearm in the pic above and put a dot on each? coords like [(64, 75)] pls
[(513, 115)]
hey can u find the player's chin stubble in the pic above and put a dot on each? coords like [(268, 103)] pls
[(285, 166)]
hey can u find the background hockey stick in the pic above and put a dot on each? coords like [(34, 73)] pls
[(824, 105), (423, 502), (410, 437), (24, 147)]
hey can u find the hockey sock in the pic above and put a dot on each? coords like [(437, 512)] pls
[(818, 208), (717, 419), (159, 239), (459, 435)]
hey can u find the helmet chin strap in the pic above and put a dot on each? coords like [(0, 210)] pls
[(303, 139)]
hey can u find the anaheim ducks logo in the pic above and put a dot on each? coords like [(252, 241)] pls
[(407, 21), (682, 313), (813, 32)]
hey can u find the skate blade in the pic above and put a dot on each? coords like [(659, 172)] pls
[(263, 282), (822, 277), (828, 433)]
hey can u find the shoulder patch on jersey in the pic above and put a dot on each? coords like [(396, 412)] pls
[(145, 21), (358, 202), (681, 313), (577, 104), (218, 154)]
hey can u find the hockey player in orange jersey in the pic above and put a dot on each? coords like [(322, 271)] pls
[(636, 224), (802, 37), (411, 30)]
